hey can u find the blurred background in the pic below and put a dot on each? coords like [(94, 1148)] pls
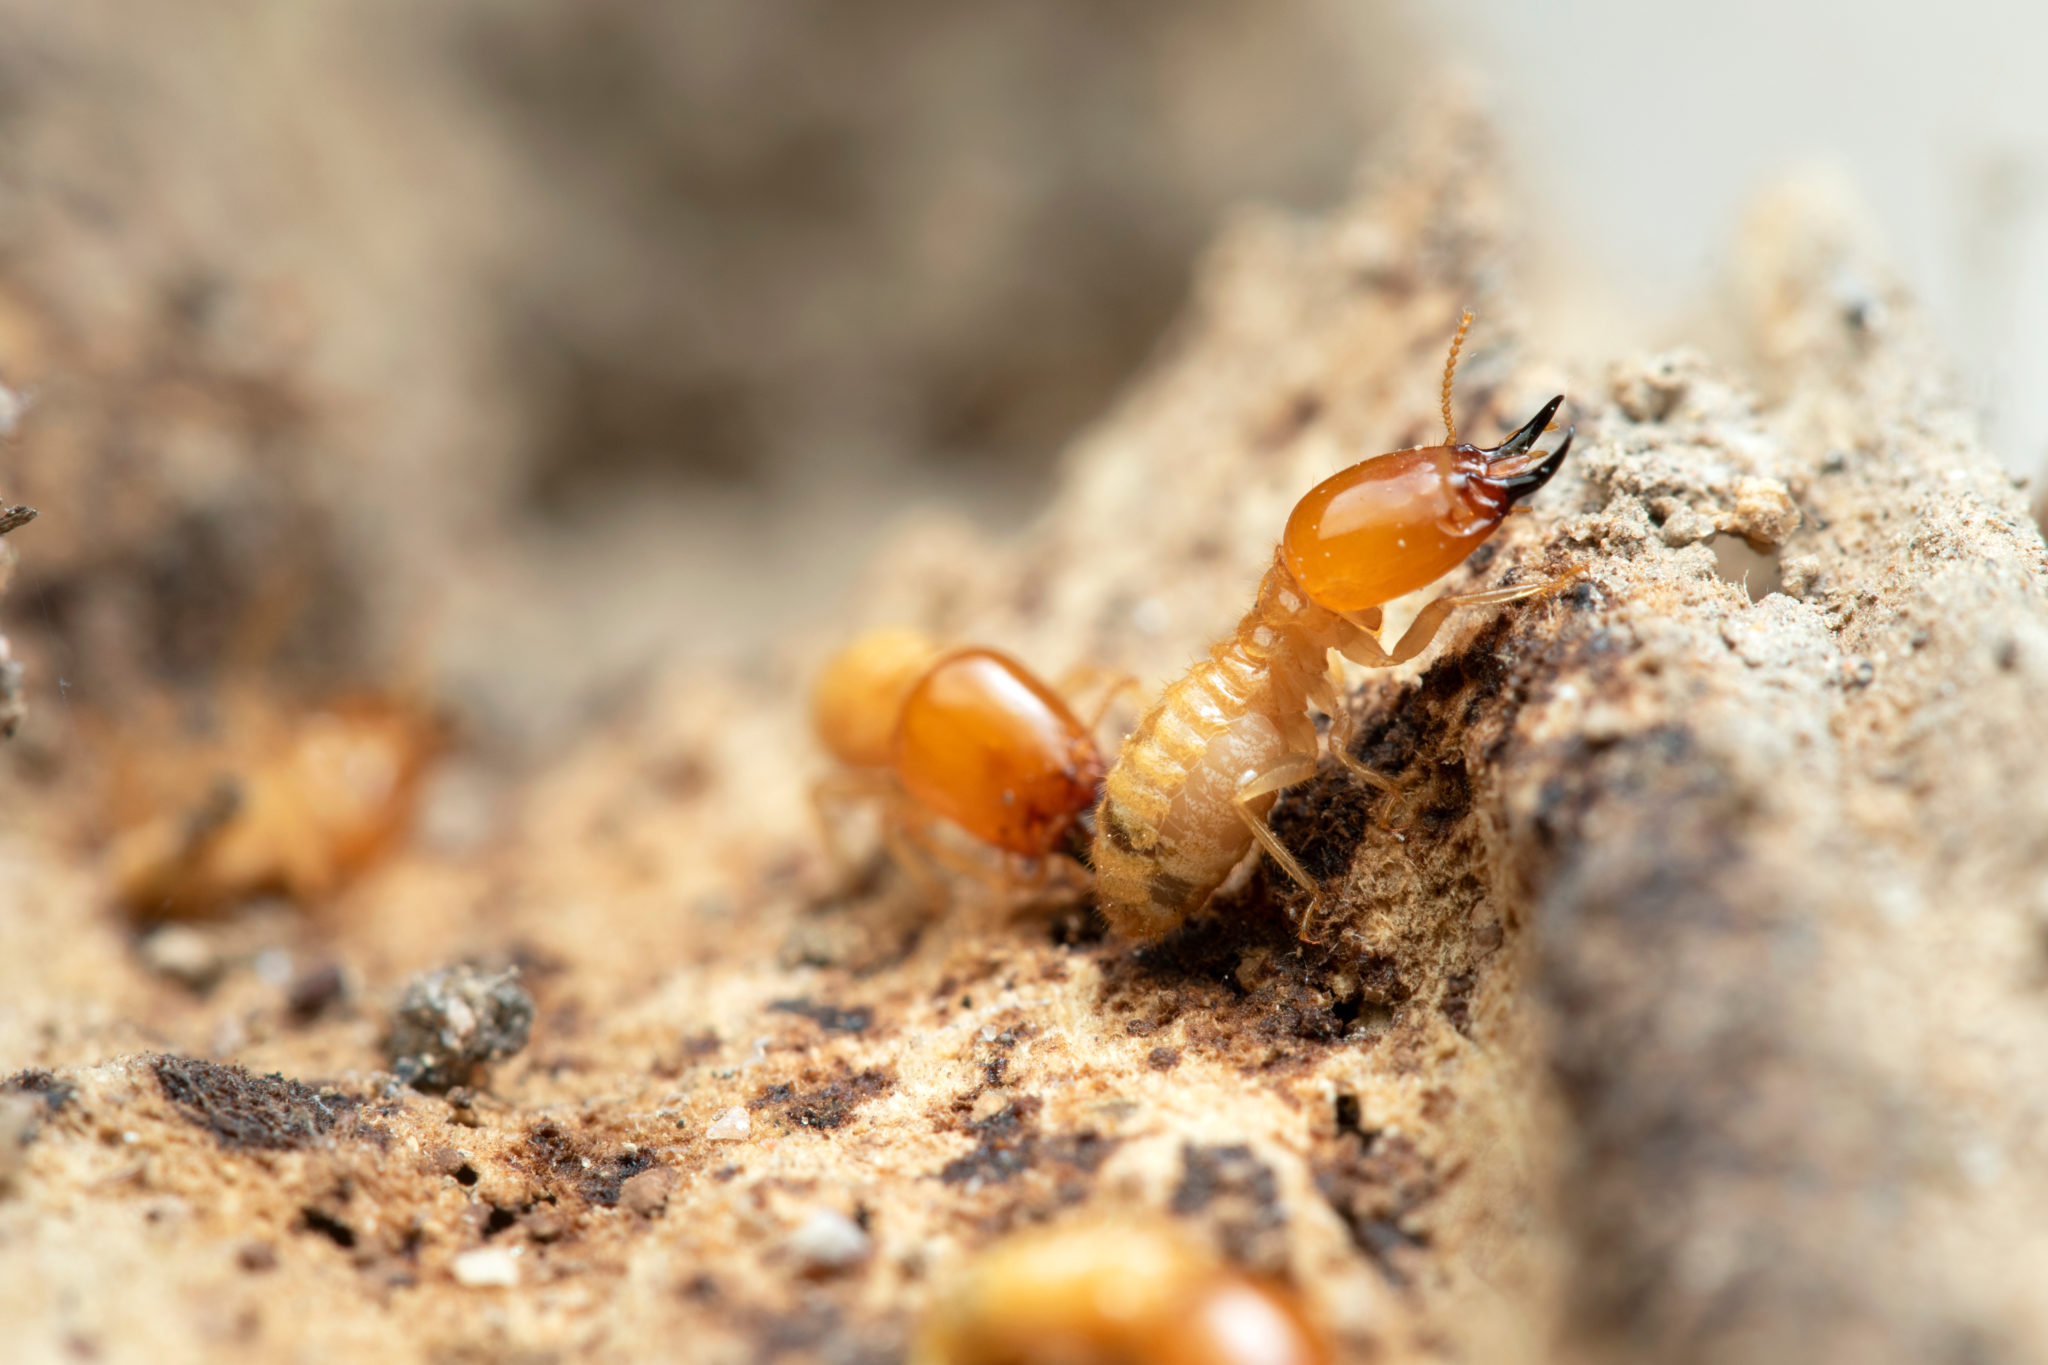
[(512, 349)]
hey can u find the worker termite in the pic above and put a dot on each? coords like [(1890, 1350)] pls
[(967, 736), (1114, 1294), (1192, 786)]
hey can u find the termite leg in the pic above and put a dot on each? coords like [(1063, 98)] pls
[(831, 795), (1284, 774), (1422, 631), (914, 835), (1076, 880), (911, 854), (1115, 683), (1059, 877), (1343, 735)]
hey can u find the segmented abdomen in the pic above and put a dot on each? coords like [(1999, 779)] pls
[(1166, 833)]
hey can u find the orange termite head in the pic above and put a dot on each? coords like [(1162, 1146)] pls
[(1398, 522), (861, 690), (984, 743), (1124, 1293)]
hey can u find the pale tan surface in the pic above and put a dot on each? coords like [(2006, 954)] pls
[(1698, 1017)]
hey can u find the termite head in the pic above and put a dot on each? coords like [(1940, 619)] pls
[(984, 743), (1398, 522), (1123, 1293), (970, 734), (860, 693)]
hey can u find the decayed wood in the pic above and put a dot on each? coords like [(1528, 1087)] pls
[(1770, 870), (1783, 859), (1695, 1015)]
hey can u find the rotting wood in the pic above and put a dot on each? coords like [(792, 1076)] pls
[(1697, 1017)]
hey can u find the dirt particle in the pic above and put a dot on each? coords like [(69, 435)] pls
[(544, 1223), (1005, 1146), (830, 1018), (647, 1193), (827, 1241), (453, 1021), (1240, 1194), (1376, 1183), (313, 992), (184, 954), (242, 1110), (54, 1091), (1457, 1005), (1009, 1143), (486, 1268), (326, 1225), (828, 1106), (599, 1177), (1163, 1058)]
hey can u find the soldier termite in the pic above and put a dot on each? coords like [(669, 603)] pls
[(1194, 782)]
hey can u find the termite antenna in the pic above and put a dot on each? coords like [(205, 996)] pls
[(1451, 368)]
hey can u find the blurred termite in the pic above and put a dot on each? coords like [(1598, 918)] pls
[(966, 736), (1193, 784), (296, 807), (1114, 1295)]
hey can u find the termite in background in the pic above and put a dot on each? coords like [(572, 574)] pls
[(1115, 1294), (966, 736), (286, 803), (1194, 782)]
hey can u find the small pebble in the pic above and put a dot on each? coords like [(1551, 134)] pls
[(828, 1240), (313, 991), (453, 1021), (273, 967), (729, 1126), (487, 1268), (647, 1193), (544, 1223), (183, 954)]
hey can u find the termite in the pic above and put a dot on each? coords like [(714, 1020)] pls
[(1115, 1294), (967, 736), (302, 805), (1193, 784)]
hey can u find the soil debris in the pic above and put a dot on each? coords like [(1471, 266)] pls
[(600, 1177), (1240, 1195), (828, 1106), (830, 1018), (53, 1090), (454, 1021), (241, 1110)]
